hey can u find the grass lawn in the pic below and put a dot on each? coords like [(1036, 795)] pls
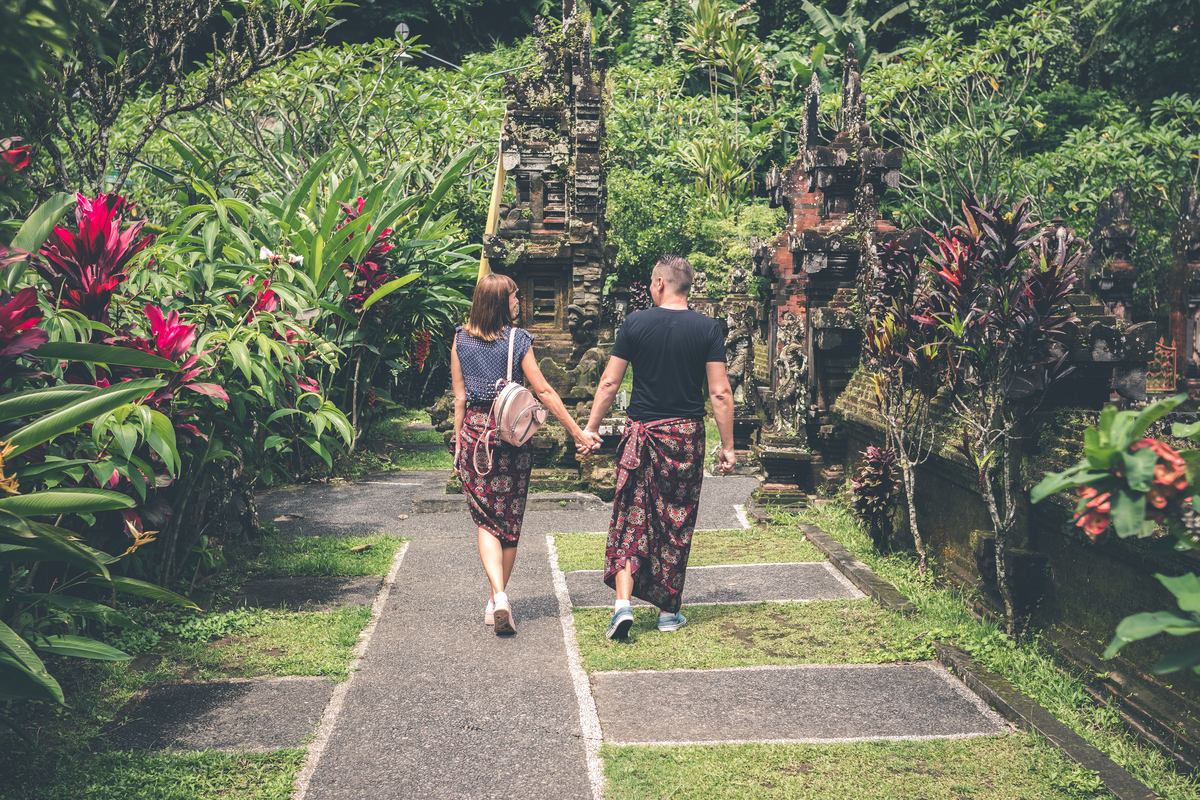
[(395, 429), (267, 642), (709, 548), (1005, 768), (276, 557), (122, 776), (1030, 666), (819, 632)]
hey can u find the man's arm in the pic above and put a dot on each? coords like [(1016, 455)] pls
[(722, 403), (610, 382)]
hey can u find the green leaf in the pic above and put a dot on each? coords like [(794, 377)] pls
[(80, 647), (82, 608), (1180, 659), (78, 413), (65, 501), (241, 357), (1055, 482), (161, 437), (19, 651), (17, 530), (1142, 626), (103, 354), (319, 449), (1139, 468), (388, 288), (1186, 589), (19, 682), (1128, 511), (1154, 412), (35, 401), (35, 230), (1185, 431), (144, 589)]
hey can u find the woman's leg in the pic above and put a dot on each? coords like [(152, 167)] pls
[(509, 557), (496, 562)]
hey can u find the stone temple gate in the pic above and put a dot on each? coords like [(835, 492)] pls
[(551, 239)]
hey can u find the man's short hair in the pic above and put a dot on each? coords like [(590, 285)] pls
[(677, 272)]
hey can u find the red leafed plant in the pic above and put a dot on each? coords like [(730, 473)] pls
[(18, 316), (372, 271), (172, 338), (86, 266)]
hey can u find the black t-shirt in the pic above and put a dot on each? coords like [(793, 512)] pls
[(668, 350)]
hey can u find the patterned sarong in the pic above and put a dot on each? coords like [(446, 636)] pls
[(659, 471), (496, 500)]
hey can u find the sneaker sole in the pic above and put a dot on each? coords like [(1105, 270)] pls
[(670, 628), (503, 622), (621, 629)]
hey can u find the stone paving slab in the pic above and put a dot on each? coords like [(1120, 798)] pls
[(810, 703), (250, 715), (376, 504), (751, 583), (443, 707), (313, 593)]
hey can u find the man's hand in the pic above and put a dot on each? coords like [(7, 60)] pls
[(726, 460)]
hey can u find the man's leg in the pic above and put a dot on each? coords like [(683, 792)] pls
[(622, 618)]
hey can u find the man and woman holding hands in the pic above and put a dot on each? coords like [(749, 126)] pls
[(674, 352)]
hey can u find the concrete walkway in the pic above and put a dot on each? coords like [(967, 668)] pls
[(439, 706)]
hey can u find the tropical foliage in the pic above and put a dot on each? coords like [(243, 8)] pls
[(1133, 484)]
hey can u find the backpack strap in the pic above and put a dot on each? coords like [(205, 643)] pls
[(484, 440), (512, 339)]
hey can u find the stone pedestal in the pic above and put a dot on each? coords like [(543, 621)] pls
[(787, 467)]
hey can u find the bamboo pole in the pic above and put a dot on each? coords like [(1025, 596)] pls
[(493, 220)]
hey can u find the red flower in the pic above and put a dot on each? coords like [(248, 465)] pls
[(18, 316), (84, 268)]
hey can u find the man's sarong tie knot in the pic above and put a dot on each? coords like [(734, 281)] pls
[(636, 439)]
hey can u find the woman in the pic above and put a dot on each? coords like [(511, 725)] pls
[(478, 359)]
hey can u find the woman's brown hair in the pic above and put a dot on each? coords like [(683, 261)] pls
[(489, 307)]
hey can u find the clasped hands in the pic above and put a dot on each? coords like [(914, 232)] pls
[(588, 441)]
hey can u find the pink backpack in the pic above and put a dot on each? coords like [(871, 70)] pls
[(516, 414)]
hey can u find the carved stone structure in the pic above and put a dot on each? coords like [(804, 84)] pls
[(1111, 273), (552, 240), (819, 267)]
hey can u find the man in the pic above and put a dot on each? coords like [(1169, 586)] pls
[(661, 456)]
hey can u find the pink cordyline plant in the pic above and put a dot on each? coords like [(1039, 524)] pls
[(84, 268), (171, 338), (18, 316)]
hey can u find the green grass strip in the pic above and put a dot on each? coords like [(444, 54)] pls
[(117, 775), (277, 557), (1029, 665), (779, 545), (1005, 768), (819, 632), (273, 643)]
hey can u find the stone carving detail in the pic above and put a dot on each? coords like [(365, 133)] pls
[(553, 240), (739, 281), (739, 355), (1111, 272), (699, 283), (791, 365)]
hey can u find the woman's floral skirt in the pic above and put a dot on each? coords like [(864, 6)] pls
[(496, 499)]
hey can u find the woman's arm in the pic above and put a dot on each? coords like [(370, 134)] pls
[(460, 396), (545, 392)]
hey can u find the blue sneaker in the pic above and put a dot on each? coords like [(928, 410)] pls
[(672, 622), (620, 623)]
